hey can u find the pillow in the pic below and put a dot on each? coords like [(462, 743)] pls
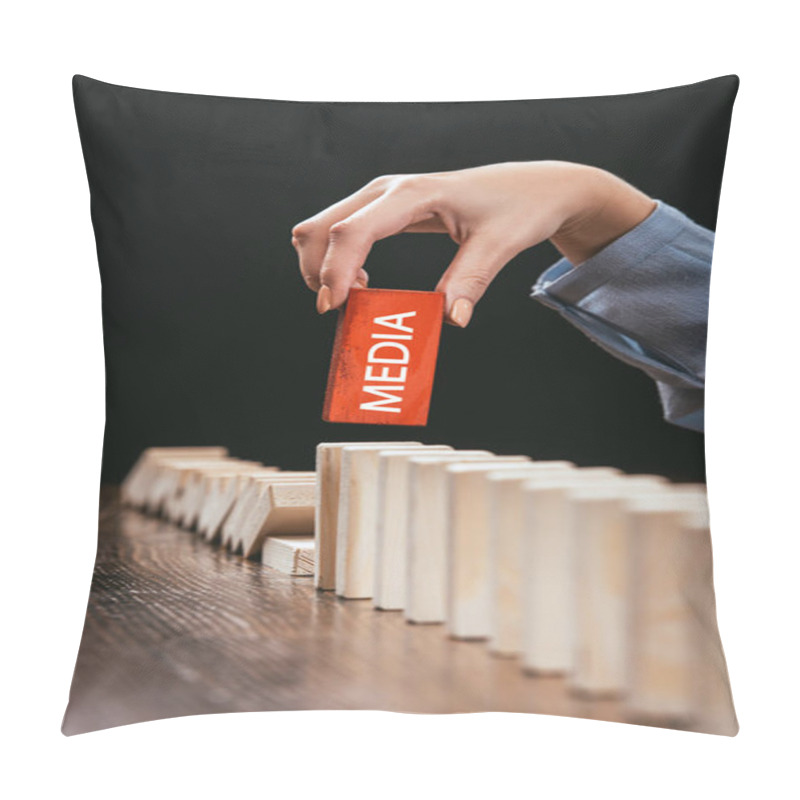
[(552, 525)]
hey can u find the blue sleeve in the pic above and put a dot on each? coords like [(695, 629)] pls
[(644, 298)]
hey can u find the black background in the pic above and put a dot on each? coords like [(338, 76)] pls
[(211, 336)]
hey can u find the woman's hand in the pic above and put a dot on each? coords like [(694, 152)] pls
[(492, 212)]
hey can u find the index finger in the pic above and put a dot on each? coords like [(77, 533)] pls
[(350, 240), (310, 237)]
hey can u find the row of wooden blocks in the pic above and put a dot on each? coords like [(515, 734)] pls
[(601, 577), (587, 573), (261, 512)]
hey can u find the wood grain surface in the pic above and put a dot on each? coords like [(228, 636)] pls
[(176, 626)]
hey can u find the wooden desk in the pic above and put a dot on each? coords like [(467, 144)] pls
[(176, 626)]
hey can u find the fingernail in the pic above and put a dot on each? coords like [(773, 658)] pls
[(461, 312), (361, 283), (324, 300)]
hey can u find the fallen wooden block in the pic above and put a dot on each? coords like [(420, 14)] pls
[(326, 519), (384, 357), (505, 526), (428, 512), (201, 489), (293, 555), (358, 519), (222, 489), (392, 541), (600, 533), (281, 508), (662, 656), (547, 583), (169, 480), (249, 500), (134, 488), (243, 491), (183, 507)]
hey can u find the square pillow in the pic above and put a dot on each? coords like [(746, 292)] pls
[(228, 561)]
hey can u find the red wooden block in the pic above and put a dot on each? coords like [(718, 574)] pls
[(384, 357)]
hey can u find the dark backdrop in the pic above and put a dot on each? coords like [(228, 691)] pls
[(211, 337)]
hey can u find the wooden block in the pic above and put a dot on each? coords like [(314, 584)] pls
[(293, 555), (222, 491), (468, 574), (662, 656), (600, 535), (426, 556), (384, 357), (183, 507), (282, 509), (133, 491), (715, 712), (548, 583), (392, 541), (246, 487), (160, 479), (206, 488), (245, 492), (505, 551), (169, 480), (358, 519), (249, 500), (326, 519)]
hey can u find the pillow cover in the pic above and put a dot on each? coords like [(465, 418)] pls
[(551, 525)]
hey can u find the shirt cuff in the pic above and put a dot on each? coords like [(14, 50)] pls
[(565, 283)]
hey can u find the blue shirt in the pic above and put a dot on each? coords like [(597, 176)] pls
[(644, 299)]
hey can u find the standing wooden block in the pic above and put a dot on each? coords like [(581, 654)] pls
[(281, 508), (392, 540), (713, 699), (249, 499), (600, 532), (662, 658), (358, 519), (326, 519), (222, 490), (133, 491), (426, 556), (505, 551), (468, 572), (547, 561), (384, 357)]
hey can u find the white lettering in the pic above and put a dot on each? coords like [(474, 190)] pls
[(398, 323), (382, 405), (388, 352), (373, 359), (385, 375)]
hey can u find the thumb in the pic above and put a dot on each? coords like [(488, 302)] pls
[(464, 282)]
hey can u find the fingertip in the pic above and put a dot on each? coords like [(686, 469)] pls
[(362, 279), (324, 300), (460, 312), (338, 291)]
